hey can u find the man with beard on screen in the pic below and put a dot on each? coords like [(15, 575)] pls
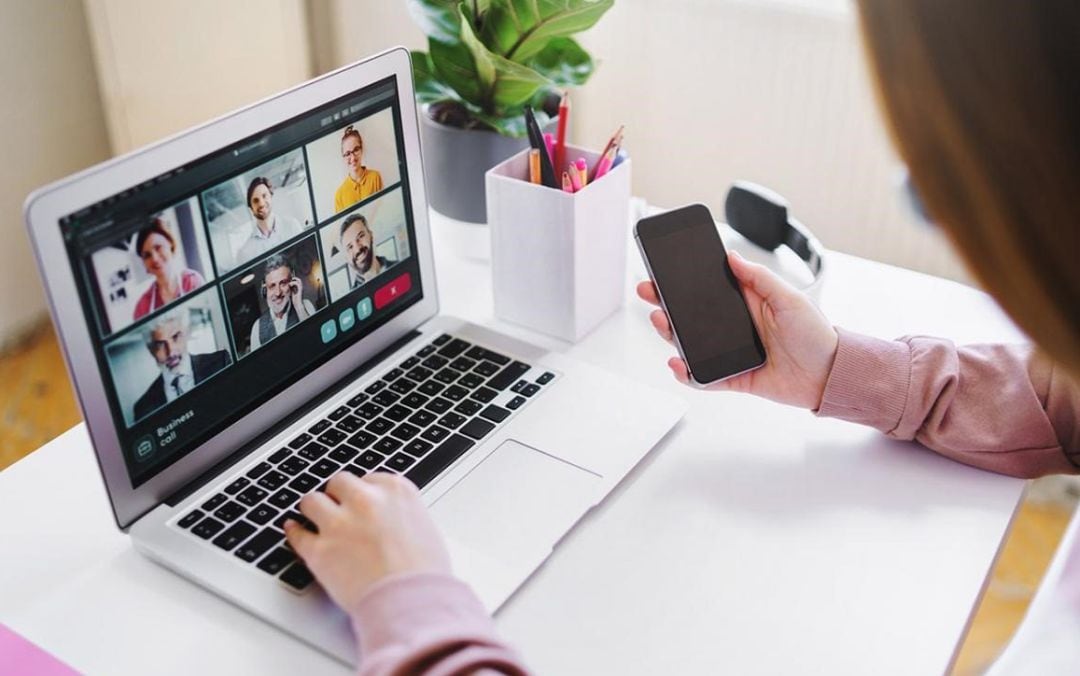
[(358, 243), (285, 302)]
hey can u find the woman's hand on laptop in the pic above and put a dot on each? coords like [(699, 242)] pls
[(369, 528), (799, 340)]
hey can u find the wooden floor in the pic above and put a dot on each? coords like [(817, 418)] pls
[(37, 404)]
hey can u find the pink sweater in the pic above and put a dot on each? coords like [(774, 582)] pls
[(1001, 408)]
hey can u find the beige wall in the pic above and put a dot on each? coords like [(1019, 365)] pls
[(51, 124), (165, 66)]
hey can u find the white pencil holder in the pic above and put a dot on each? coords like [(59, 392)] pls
[(558, 259)]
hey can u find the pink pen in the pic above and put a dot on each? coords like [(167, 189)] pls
[(549, 141)]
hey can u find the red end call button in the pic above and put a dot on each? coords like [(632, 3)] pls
[(392, 291)]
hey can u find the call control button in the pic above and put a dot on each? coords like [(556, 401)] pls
[(392, 291)]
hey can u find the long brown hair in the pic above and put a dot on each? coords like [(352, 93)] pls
[(983, 100)]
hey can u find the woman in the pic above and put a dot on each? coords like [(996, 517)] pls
[(156, 246), (360, 181), (982, 101)]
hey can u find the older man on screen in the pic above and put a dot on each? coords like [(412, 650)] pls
[(358, 243), (167, 339), (285, 302)]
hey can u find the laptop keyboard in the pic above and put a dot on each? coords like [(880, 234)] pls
[(416, 420)]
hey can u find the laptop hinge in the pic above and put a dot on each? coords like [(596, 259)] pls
[(209, 475)]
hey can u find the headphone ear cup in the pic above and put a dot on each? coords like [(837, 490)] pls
[(758, 214)]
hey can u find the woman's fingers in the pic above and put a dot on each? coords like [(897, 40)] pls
[(659, 320), (646, 291)]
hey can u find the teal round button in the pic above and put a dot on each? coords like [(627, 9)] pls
[(329, 331)]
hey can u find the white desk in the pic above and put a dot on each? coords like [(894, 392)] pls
[(755, 539)]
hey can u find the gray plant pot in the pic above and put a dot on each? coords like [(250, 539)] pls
[(455, 161)]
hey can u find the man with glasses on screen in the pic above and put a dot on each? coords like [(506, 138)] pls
[(167, 340), (358, 243)]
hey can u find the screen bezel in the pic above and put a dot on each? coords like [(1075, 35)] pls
[(45, 207), (723, 365)]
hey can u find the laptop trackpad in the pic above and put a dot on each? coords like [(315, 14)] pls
[(517, 503)]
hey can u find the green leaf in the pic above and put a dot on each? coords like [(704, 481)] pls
[(439, 19), (564, 62), (482, 58), (429, 88), (511, 124), (520, 29), (506, 84), (455, 67)]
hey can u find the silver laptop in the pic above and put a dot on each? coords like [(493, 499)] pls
[(250, 307)]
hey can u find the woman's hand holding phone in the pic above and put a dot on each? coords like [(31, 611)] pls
[(800, 341)]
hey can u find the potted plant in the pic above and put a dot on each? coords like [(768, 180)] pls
[(487, 60)]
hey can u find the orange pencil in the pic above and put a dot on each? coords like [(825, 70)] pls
[(567, 184), (534, 166)]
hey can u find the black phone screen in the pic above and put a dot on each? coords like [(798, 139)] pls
[(688, 263)]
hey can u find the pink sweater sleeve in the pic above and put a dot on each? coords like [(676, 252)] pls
[(997, 407), (428, 624)]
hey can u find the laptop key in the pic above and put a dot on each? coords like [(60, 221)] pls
[(262, 514), (452, 420), (418, 447), (408, 363), (463, 363), (431, 388), (369, 411), (230, 512), (508, 376), (297, 576), (405, 431), (386, 398), (370, 459), (435, 434), (400, 462), (293, 465), (439, 459), (190, 518), (237, 486), (258, 470), (343, 454), (320, 427), (297, 517), (357, 400), (441, 340), (324, 468), (350, 423), (545, 378), (397, 412), (447, 375), (251, 550), (486, 369), (454, 348), (355, 469), (419, 374), (495, 357), (422, 418), (468, 407), (425, 351), (234, 535), (299, 441), (387, 445), (207, 528), (515, 403), (477, 428), (530, 389), (476, 353), (303, 483), (283, 499), (279, 455), (435, 362), (392, 375), (484, 394), (403, 386), (251, 496), (215, 502), (361, 439), (518, 386), (332, 437), (495, 413), (455, 393), (375, 387), (275, 561), (438, 405), (273, 481), (470, 381), (313, 451), (414, 400), (380, 426), (339, 413)]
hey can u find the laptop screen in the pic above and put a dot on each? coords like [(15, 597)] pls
[(215, 286)]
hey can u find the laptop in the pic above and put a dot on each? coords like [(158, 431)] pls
[(249, 307)]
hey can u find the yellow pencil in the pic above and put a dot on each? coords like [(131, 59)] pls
[(534, 166)]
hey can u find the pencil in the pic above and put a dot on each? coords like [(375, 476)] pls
[(534, 166), (560, 139), (567, 184)]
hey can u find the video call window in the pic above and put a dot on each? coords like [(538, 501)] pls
[(275, 294), (353, 163), (163, 259), (169, 355), (364, 243), (252, 213)]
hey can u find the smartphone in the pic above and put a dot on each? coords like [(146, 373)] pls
[(687, 262)]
